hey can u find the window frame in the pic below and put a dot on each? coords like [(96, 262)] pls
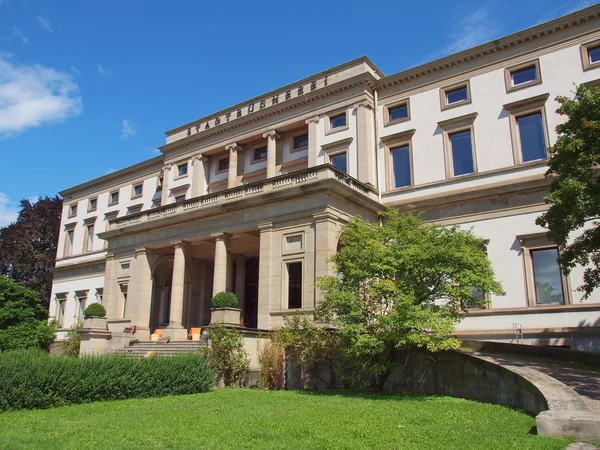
[(333, 154), (508, 80), (387, 108), (219, 159), (90, 200), (333, 115), (444, 95), (286, 283), (457, 125), (392, 142), (179, 199), (337, 148), (69, 244), (179, 167), (61, 308), (253, 154), (89, 223), (110, 197), (522, 108), (133, 189), (73, 209), (585, 56), (293, 147)]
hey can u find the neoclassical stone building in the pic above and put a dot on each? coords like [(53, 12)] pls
[(251, 198)]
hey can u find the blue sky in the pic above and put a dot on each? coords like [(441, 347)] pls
[(88, 88)]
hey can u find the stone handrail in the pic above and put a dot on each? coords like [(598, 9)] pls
[(304, 176)]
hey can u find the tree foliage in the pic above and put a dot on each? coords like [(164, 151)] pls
[(575, 190), (401, 284), (28, 246), (23, 319), (227, 355)]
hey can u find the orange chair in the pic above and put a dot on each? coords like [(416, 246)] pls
[(194, 334), (157, 333)]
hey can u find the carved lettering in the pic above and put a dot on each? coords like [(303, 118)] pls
[(189, 131), (325, 81), (300, 90), (313, 85), (288, 95), (198, 128), (275, 100), (239, 113), (227, 116), (207, 126), (217, 121), (250, 108), (263, 104)]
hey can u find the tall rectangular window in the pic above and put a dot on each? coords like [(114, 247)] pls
[(69, 242), (114, 198), (547, 277), (339, 161), (61, 313), (294, 285), (461, 148), (531, 137), (401, 176), (89, 244), (82, 305)]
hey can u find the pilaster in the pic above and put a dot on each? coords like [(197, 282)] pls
[(326, 237), (271, 137), (140, 293), (175, 329), (233, 150), (265, 273), (365, 143), (220, 268), (110, 298), (166, 180), (312, 140), (199, 183)]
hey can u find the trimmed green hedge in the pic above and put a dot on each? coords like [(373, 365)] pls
[(224, 300), (95, 310), (32, 379)]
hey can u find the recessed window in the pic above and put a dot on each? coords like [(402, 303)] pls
[(461, 148), (594, 54), (339, 161), (532, 139), (294, 290), (223, 164), (89, 238), (73, 210), (137, 190), (114, 197), (398, 113), (523, 75), (337, 121), (590, 55), (69, 242), (401, 176), (182, 169), (547, 277), (61, 313), (260, 153), (180, 198), (93, 204), (455, 95), (300, 141)]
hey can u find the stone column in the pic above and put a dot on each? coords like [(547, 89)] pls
[(220, 270), (202, 300), (175, 329), (233, 163), (365, 144), (264, 274), (326, 231), (111, 297), (312, 140), (166, 175), (271, 137), (199, 176), (139, 295), (240, 282), (230, 269)]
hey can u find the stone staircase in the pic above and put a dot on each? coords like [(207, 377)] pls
[(140, 348)]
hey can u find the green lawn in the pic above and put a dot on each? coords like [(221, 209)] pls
[(230, 418)]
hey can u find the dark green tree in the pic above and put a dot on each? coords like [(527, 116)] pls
[(28, 246), (574, 195)]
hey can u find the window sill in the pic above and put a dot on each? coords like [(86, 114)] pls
[(92, 210), (534, 309), (518, 87), (396, 121), (337, 130), (180, 177), (136, 196), (456, 104), (299, 149)]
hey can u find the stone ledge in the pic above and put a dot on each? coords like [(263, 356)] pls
[(582, 425)]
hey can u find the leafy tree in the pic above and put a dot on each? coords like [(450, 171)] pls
[(400, 285), (575, 190), (28, 246), (227, 355), (23, 319)]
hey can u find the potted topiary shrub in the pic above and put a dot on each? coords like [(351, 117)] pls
[(95, 316), (224, 309)]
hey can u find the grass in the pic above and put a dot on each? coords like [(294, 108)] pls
[(230, 418)]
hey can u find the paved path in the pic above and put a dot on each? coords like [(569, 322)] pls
[(581, 446)]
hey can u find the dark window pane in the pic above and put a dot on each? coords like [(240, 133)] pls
[(339, 161), (93, 204), (531, 134), (138, 189), (524, 75), (180, 198), (301, 141), (295, 285), (401, 166), (398, 112), (224, 164), (547, 278), (74, 210), (338, 121), (456, 95), (114, 197), (260, 153), (594, 54), (462, 153), (182, 169)]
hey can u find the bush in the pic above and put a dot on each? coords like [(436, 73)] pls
[(271, 358), (95, 310), (227, 355), (224, 300), (73, 341), (32, 379)]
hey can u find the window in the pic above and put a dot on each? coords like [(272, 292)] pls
[(339, 161), (300, 141), (455, 95), (89, 237), (461, 149), (398, 112), (137, 190), (73, 210), (81, 301), (114, 198), (400, 167), (69, 242), (223, 164), (523, 75), (260, 154), (93, 204), (294, 288), (182, 170), (180, 198), (590, 55), (532, 141), (123, 300), (338, 121), (99, 294), (61, 312)]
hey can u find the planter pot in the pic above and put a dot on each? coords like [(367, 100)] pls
[(227, 316), (95, 322)]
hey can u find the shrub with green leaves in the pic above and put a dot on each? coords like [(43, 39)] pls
[(95, 310), (224, 300), (32, 379), (227, 354)]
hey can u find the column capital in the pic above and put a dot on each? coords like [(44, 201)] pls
[(200, 158), (233, 147), (179, 244), (166, 167), (140, 250), (110, 257), (364, 104), (271, 134), (325, 216), (314, 119), (220, 236), (268, 226)]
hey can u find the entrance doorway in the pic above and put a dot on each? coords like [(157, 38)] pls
[(251, 299)]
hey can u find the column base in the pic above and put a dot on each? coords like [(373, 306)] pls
[(176, 334)]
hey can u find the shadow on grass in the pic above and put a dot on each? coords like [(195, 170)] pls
[(367, 394)]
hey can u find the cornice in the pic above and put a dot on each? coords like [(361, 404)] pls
[(493, 47)]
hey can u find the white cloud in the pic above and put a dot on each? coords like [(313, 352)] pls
[(31, 95), (104, 73), (8, 210), (45, 23), (127, 129), (18, 33), (75, 71), (550, 14)]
